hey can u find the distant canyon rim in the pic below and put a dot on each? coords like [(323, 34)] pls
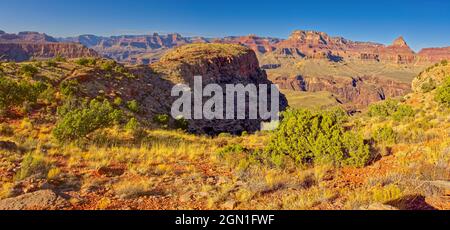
[(354, 73)]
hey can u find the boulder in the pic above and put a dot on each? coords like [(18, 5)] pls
[(40, 200)]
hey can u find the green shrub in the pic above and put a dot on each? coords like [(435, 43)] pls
[(385, 136), (33, 164), (231, 149), (132, 124), (78, 123), (69, 88), (162, 119), (108, 65), (28, 70), (118, 101), (133, 106), (391, 108), (51, 63), (14, 93), (59, 58), (82, 61), (318, 137), (428, 86), (402, 112), (383, 109), (443, 93), (120, 69), (181, 123)]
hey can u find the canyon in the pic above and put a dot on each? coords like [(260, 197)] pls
[(26, 46), (355, 73)]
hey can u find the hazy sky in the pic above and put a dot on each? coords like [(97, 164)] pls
[(423, 23)]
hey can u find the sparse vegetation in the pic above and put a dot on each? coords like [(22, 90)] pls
[(391, 108), (28, 70), (33, 164)]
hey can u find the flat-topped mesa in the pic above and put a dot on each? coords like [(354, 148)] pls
[(221, 64), (26, 37), (434, 54), (260, 45), (310, 37), (215, 62)]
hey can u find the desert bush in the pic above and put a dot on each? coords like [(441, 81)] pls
[(443, 93), (28, 70), (391, 108), (118, 101), (78, 123), (318, 137), (33, 164), (132, 189), (108, 65), (69, 88), (181, 123), (385, 135), (59, 58), (402, 112), (383, 109), (14, 93), (161, 119), (428, 86), (133, 106), (51, 63), (132, 124), (231, 149), (82, 61)]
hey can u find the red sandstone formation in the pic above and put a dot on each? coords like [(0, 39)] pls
[(25, 46)]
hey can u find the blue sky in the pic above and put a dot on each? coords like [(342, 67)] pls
[(422, 23)]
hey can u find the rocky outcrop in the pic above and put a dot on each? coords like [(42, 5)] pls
[(319, 45), (40, 200), (356, 92), (260, 45), (431, 78), (217, 64)]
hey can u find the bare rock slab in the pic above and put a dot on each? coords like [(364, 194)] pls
[(40, 200)]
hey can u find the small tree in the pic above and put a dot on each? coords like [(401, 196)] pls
[(79, 123), (443, 93), (318, 137)]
